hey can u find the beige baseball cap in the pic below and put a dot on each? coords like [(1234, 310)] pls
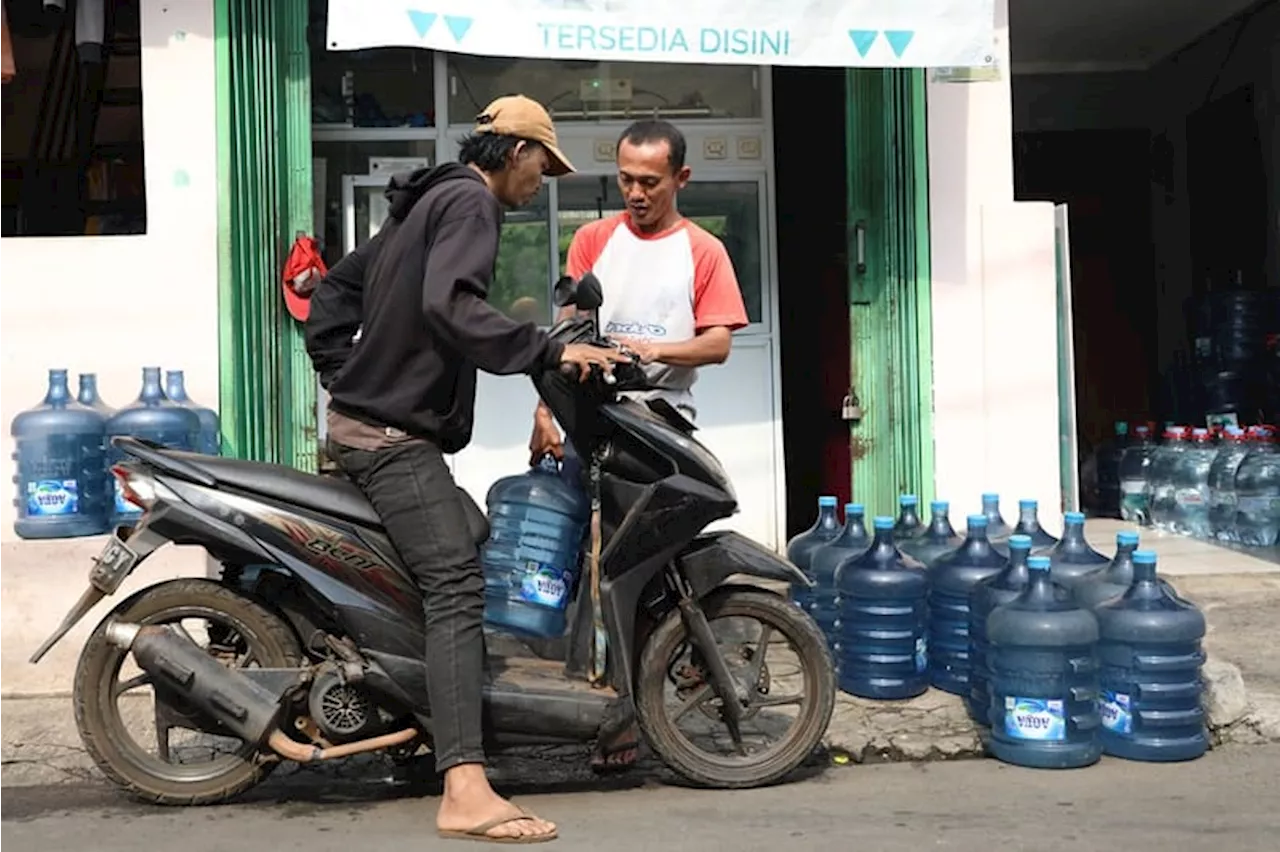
[(517, 115)]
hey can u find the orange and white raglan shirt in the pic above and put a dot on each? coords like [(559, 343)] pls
[(664, 287)]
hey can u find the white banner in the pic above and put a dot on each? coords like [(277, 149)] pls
[(836, 33)]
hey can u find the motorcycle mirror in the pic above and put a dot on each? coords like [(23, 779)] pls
[(564, 292), (584, 294)]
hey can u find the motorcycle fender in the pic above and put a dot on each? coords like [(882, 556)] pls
[(106, 575), (713, 558)]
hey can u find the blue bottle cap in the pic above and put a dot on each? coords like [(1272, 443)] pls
[(1073, 517), (991, 497), (855, 509), (939, 506), (826, 501), (1038, 563), (883, 523), (1020, 542), (1127, 537), (1028, 504), (908, 500), (1144, 557), (976, 521)]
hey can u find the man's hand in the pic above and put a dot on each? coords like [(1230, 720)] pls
[(545, 438), (646, 351), (586, 356)]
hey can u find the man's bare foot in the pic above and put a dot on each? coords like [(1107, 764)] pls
[(469, 801)]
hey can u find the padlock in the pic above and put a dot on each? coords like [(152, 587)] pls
[(850, 408)]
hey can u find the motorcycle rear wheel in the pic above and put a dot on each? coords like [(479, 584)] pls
[(268, 638), (805, 735)]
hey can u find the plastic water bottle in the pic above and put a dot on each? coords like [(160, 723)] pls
[(210, 428), (1258, 491), (1161, 498), (800, 549), (1029, 525), (939, 538), (1072, 559), (1222, 483), (951, 580), (883, 648), (824, 562), (536, 523), (61, 477), (908, 525), (985, 597), (1191, 486), (1044, 677), (1109, 455), (1149, 651), (1135, 465), (997, 528)]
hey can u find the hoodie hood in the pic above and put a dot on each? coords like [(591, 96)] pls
[(405, 188)]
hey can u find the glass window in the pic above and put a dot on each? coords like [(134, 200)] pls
[(383, 87), (333, 160), (589, 90), (728, 209), (522, 280)]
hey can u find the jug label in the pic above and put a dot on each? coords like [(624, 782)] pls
[(52, 497), (1041, 719), (922, 654), (123, 506), (1189, 497), (1116, 712), (544, 585)]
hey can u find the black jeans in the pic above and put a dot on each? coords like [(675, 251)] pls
[(426, 518)]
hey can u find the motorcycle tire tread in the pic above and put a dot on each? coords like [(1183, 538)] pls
[(273, 632)]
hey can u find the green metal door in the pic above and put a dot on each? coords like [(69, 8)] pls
[(267, 388), (889, 303)]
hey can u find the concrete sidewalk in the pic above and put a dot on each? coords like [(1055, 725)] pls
[(1239, 594)]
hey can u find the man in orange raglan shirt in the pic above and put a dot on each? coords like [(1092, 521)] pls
[(670, 294)]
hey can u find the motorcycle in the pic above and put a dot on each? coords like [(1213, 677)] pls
[(313, 634)]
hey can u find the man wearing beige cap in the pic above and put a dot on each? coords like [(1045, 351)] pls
[(402, 394)]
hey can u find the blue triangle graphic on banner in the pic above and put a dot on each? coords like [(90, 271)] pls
[(422, 21), (863, 39), (458, 26), (898, 40)]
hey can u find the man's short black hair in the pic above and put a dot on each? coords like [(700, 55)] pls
[(649, 130), (490, 152)]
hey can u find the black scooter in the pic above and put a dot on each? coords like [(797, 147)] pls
[(309, 645)]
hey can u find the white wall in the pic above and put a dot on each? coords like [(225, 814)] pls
[(995, 363), (112, 305)]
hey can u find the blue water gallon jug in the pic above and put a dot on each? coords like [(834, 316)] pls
[(1044, 677), (1149, 650), (1072, 559), (826, 559), (986, 596), (939, 537), (998, 529), (908, 525), (536, 522), (1114, 579), (154, 418), (951, 580), (800, 549), (62, 475), (88, 395), (210, 442), (883, 649)]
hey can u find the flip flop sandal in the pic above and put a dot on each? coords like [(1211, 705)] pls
[(481, 831)]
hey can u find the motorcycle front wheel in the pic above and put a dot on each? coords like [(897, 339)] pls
[(674, 694)]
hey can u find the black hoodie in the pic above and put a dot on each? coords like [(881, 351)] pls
[(417, 294)]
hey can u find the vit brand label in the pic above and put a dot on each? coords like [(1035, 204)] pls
[(123, 506), (1116, 712), (52, 498), (922, 654), (1189, 497), (545, 585), (1038, 719)]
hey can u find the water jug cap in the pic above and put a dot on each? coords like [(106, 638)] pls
[(855, 509), (1028, 504), (977, 521), (939, 507), (1127, 537), (908, 500), (1122, 427), (1020, 542), (826, 501), (1073, 517), (883, 523), (1144, 557), (991, 497), (1038, 563), (1200, 434), (1142, 430)]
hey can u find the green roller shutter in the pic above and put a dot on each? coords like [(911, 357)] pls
[(889, 286), (267, 388)]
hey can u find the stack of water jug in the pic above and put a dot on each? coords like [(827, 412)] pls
[(64, 455), (1062, 652), (1219, 484)]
